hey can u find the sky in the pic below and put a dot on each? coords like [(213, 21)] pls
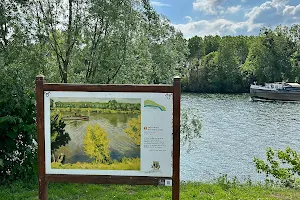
[(227, 17)]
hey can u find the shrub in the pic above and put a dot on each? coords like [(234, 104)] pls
[(18, 158), (282, 166)]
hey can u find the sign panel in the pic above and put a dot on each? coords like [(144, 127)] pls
[(108, 133)]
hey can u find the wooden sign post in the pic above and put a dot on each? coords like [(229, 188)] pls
[(47, 174)]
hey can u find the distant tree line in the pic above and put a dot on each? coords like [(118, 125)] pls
[(229, 64), (112, 104)]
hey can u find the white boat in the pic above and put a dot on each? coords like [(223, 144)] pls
[(276, 91)]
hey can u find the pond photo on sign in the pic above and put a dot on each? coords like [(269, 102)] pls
[(95, 133)]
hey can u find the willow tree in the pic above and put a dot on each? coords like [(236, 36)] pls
[(96, 144), (57, 24)]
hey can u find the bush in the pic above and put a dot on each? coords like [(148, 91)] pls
[(282, 166), (18, 157)]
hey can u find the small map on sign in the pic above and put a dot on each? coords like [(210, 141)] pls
[(152, 104)]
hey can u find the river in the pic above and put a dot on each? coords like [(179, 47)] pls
[(234, 131)]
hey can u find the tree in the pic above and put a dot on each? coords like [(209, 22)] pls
[(59, 137), (19, 64), (269, 57), (258, 62), (196, 47), (133, 129), (108, 38), (96, 144), (211, 43), (214, 64), (241, 48), (59, 24), (294, 34), (228, 76), (94, 41)]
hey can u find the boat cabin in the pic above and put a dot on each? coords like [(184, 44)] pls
[(275, 86), (282, 85)]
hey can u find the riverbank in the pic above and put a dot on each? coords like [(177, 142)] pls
[(189, 191)]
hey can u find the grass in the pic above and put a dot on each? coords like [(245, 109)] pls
[(125, 164), (189, 191)]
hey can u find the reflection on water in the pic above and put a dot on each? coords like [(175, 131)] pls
[(234, 130), (121, 145)]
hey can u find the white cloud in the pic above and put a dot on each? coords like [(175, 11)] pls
[(270, 13), (233, 9), (159, 4), (273, 13), (214, 27), (208, 6), (243, 1), (291, 10)]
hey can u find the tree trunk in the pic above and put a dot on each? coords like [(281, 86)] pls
[(65, 72)]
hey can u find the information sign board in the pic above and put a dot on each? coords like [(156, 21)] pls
[(120, 133), (108, 134)]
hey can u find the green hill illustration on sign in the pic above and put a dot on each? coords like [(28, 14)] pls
[(153, 104)]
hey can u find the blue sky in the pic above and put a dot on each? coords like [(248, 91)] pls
[(227, 17)]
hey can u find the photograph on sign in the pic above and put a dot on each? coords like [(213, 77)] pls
[(108, 133), (95, 133)]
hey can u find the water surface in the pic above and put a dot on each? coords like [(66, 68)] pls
[(120, 144), (234, 130)]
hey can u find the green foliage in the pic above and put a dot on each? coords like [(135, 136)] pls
[(283, 166), (133, 129), (269, 57), (211, 43), (97, 110), (17, 128), (103, 41), (190, 128), (59, 137), (96, 144), (217, 70), (20, 62), (111, 105), (196, 47), (228, 77), (227, 183)]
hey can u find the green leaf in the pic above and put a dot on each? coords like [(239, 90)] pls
[(10, 143), (12, 134)]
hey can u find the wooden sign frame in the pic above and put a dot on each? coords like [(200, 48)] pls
[(44, 178)]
